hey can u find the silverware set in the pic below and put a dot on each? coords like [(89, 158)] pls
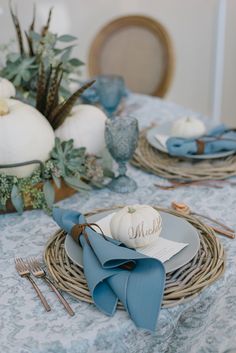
[(31, 267)]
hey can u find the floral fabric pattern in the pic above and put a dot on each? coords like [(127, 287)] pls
[(206, 324)]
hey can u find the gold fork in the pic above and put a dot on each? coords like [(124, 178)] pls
[(37, 271), (22, 269)]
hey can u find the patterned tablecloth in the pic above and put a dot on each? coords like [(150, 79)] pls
[(203, 325)]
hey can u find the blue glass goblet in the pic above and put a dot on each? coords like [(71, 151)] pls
[(110, 90), (121, 136)]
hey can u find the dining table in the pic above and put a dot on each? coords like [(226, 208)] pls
[(203, 324)]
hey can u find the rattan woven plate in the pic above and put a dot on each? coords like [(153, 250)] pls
[(153, 161), (181, 285)]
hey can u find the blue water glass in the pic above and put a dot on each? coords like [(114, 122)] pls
[(110, 90), (121, 136)]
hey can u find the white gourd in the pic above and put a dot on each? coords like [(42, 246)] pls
[(86, 126), (136, 226), (7, 90), (25, 135), (188, 127)]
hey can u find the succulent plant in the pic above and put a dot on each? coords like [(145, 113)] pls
[(70, 162), (67, 159)]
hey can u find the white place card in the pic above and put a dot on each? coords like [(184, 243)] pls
[(162, 249)]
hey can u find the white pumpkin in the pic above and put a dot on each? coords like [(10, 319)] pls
[(86, 126), (7, 90), (136, 226), (188, 127), (25, 135)]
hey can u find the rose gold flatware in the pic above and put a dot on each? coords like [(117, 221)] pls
[(38, 271), (22, 269), (185, 209)]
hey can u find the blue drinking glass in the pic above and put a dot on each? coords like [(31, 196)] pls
[(121, 136), (110, 90)]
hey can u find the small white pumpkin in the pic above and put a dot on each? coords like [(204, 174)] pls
[(25, 135), (86, 126), (188, 127), (7, 90), (136, 226)]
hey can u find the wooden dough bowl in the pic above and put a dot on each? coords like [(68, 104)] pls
[(60, 194)]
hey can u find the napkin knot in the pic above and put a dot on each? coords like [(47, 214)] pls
[(200, 146), (80, 229)]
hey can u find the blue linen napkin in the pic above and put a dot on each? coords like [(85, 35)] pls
[(140, 289), (184, 147)]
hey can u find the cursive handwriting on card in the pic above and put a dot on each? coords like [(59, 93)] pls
[(141, 232)]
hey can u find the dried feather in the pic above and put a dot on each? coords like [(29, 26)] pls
[(18, 30), (60, 113), (46, 27), (30, 44), (41, 86), (48, 80), (53, 91), (31, 29), (56, 100), (33, 20)]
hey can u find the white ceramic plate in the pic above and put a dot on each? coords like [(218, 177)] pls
[(173, 228), (165, 129)]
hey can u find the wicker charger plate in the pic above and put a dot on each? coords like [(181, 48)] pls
[(181, 285), (151, 160)]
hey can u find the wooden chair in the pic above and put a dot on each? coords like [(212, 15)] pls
[(138, 48)]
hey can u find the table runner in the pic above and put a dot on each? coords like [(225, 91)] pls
[(206, 324)]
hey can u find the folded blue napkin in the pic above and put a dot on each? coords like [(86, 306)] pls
[(218, 139), (140, 289)]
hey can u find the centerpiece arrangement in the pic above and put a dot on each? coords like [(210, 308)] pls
[(48, 149)]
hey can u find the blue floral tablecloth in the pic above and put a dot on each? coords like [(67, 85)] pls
[(207, 324)]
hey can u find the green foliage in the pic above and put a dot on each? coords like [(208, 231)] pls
[(6, 185), (75, 183), (49, 193), (16, 199), (66, 163), (45, 47)]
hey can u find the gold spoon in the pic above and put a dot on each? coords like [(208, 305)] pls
[(185, 209)]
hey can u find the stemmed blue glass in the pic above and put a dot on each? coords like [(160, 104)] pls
[(121, 136), (110, 90)]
